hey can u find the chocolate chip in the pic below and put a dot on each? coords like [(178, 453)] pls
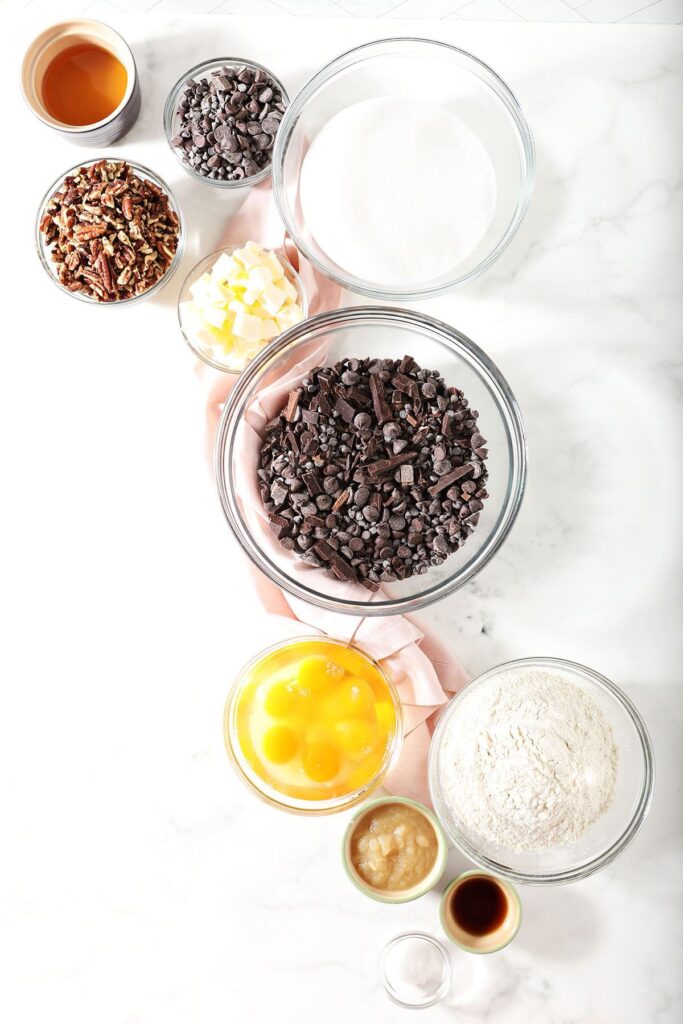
[(375, 510), (270, 125)]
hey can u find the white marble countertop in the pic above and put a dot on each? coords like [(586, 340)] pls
[(140, 883)]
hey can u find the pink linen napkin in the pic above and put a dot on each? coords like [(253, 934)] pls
[(421, 669)]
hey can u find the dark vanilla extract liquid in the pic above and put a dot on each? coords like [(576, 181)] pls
[(83, 84), (479, 906)]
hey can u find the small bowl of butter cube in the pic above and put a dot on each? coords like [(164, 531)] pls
[(236, 300)]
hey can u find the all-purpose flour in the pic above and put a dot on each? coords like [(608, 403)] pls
[(529, 761), (397, 191)]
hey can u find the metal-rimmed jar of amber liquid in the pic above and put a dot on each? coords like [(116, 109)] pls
[(51, 46)]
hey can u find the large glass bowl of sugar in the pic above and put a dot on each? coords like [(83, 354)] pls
[(360, 332), (403, 168)]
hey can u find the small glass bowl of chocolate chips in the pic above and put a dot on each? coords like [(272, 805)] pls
[(371, 460), (221, 119)]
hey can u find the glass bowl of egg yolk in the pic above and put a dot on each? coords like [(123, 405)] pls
[(313, 725)]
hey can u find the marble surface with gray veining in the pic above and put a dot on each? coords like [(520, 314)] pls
[(139, 882)]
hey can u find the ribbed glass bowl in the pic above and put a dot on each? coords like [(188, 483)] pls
[(268, 792), (376, 332), (172, 123), (607, 837), (458, 81), (44, 250)]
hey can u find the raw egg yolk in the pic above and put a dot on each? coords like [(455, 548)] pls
[(321, 762), (280, 744), (316, 673), (353, 698), (280, 700), (354, 737)]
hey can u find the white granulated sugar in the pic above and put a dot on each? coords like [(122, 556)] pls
[(528, 761), (397, 191)]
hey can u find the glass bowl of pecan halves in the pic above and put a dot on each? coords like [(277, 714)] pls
[(109, 231)]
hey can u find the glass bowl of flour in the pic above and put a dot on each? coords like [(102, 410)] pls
[(403, 168), (541, 771)]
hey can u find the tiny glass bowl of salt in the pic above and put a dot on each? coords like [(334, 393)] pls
[(398, 192), (541, 771), (236, 300), (416, 970)]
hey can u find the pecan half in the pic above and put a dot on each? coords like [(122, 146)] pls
[(84, 232), (110, 233)]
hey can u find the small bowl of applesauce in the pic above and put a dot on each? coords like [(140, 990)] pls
[(312, 725), (394, 849)]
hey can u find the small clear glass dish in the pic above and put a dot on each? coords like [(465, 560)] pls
[(402, 960), (607, 837), (172, 121), (209, 354), (44, 250), (389, 68)]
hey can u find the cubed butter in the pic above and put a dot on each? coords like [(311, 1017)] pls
[(225, 267), (241, 304), (247, 326), (215, 315), (273, 298), (259, 278)]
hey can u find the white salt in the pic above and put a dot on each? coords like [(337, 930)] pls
[(415, 969), (397, 192)]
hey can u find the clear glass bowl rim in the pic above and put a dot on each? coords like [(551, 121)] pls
[(353, 56), (234, 408), (294, 805), (581, 870), (142, 171), (169, 111), (230, 248)]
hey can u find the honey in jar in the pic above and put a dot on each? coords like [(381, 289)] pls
[(315, 720), (83, 84)]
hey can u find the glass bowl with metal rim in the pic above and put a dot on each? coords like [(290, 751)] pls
[(374, 332), (608, 836), (207, 348), (172, 120), (277, 662), (44, 251), (459, 82)]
